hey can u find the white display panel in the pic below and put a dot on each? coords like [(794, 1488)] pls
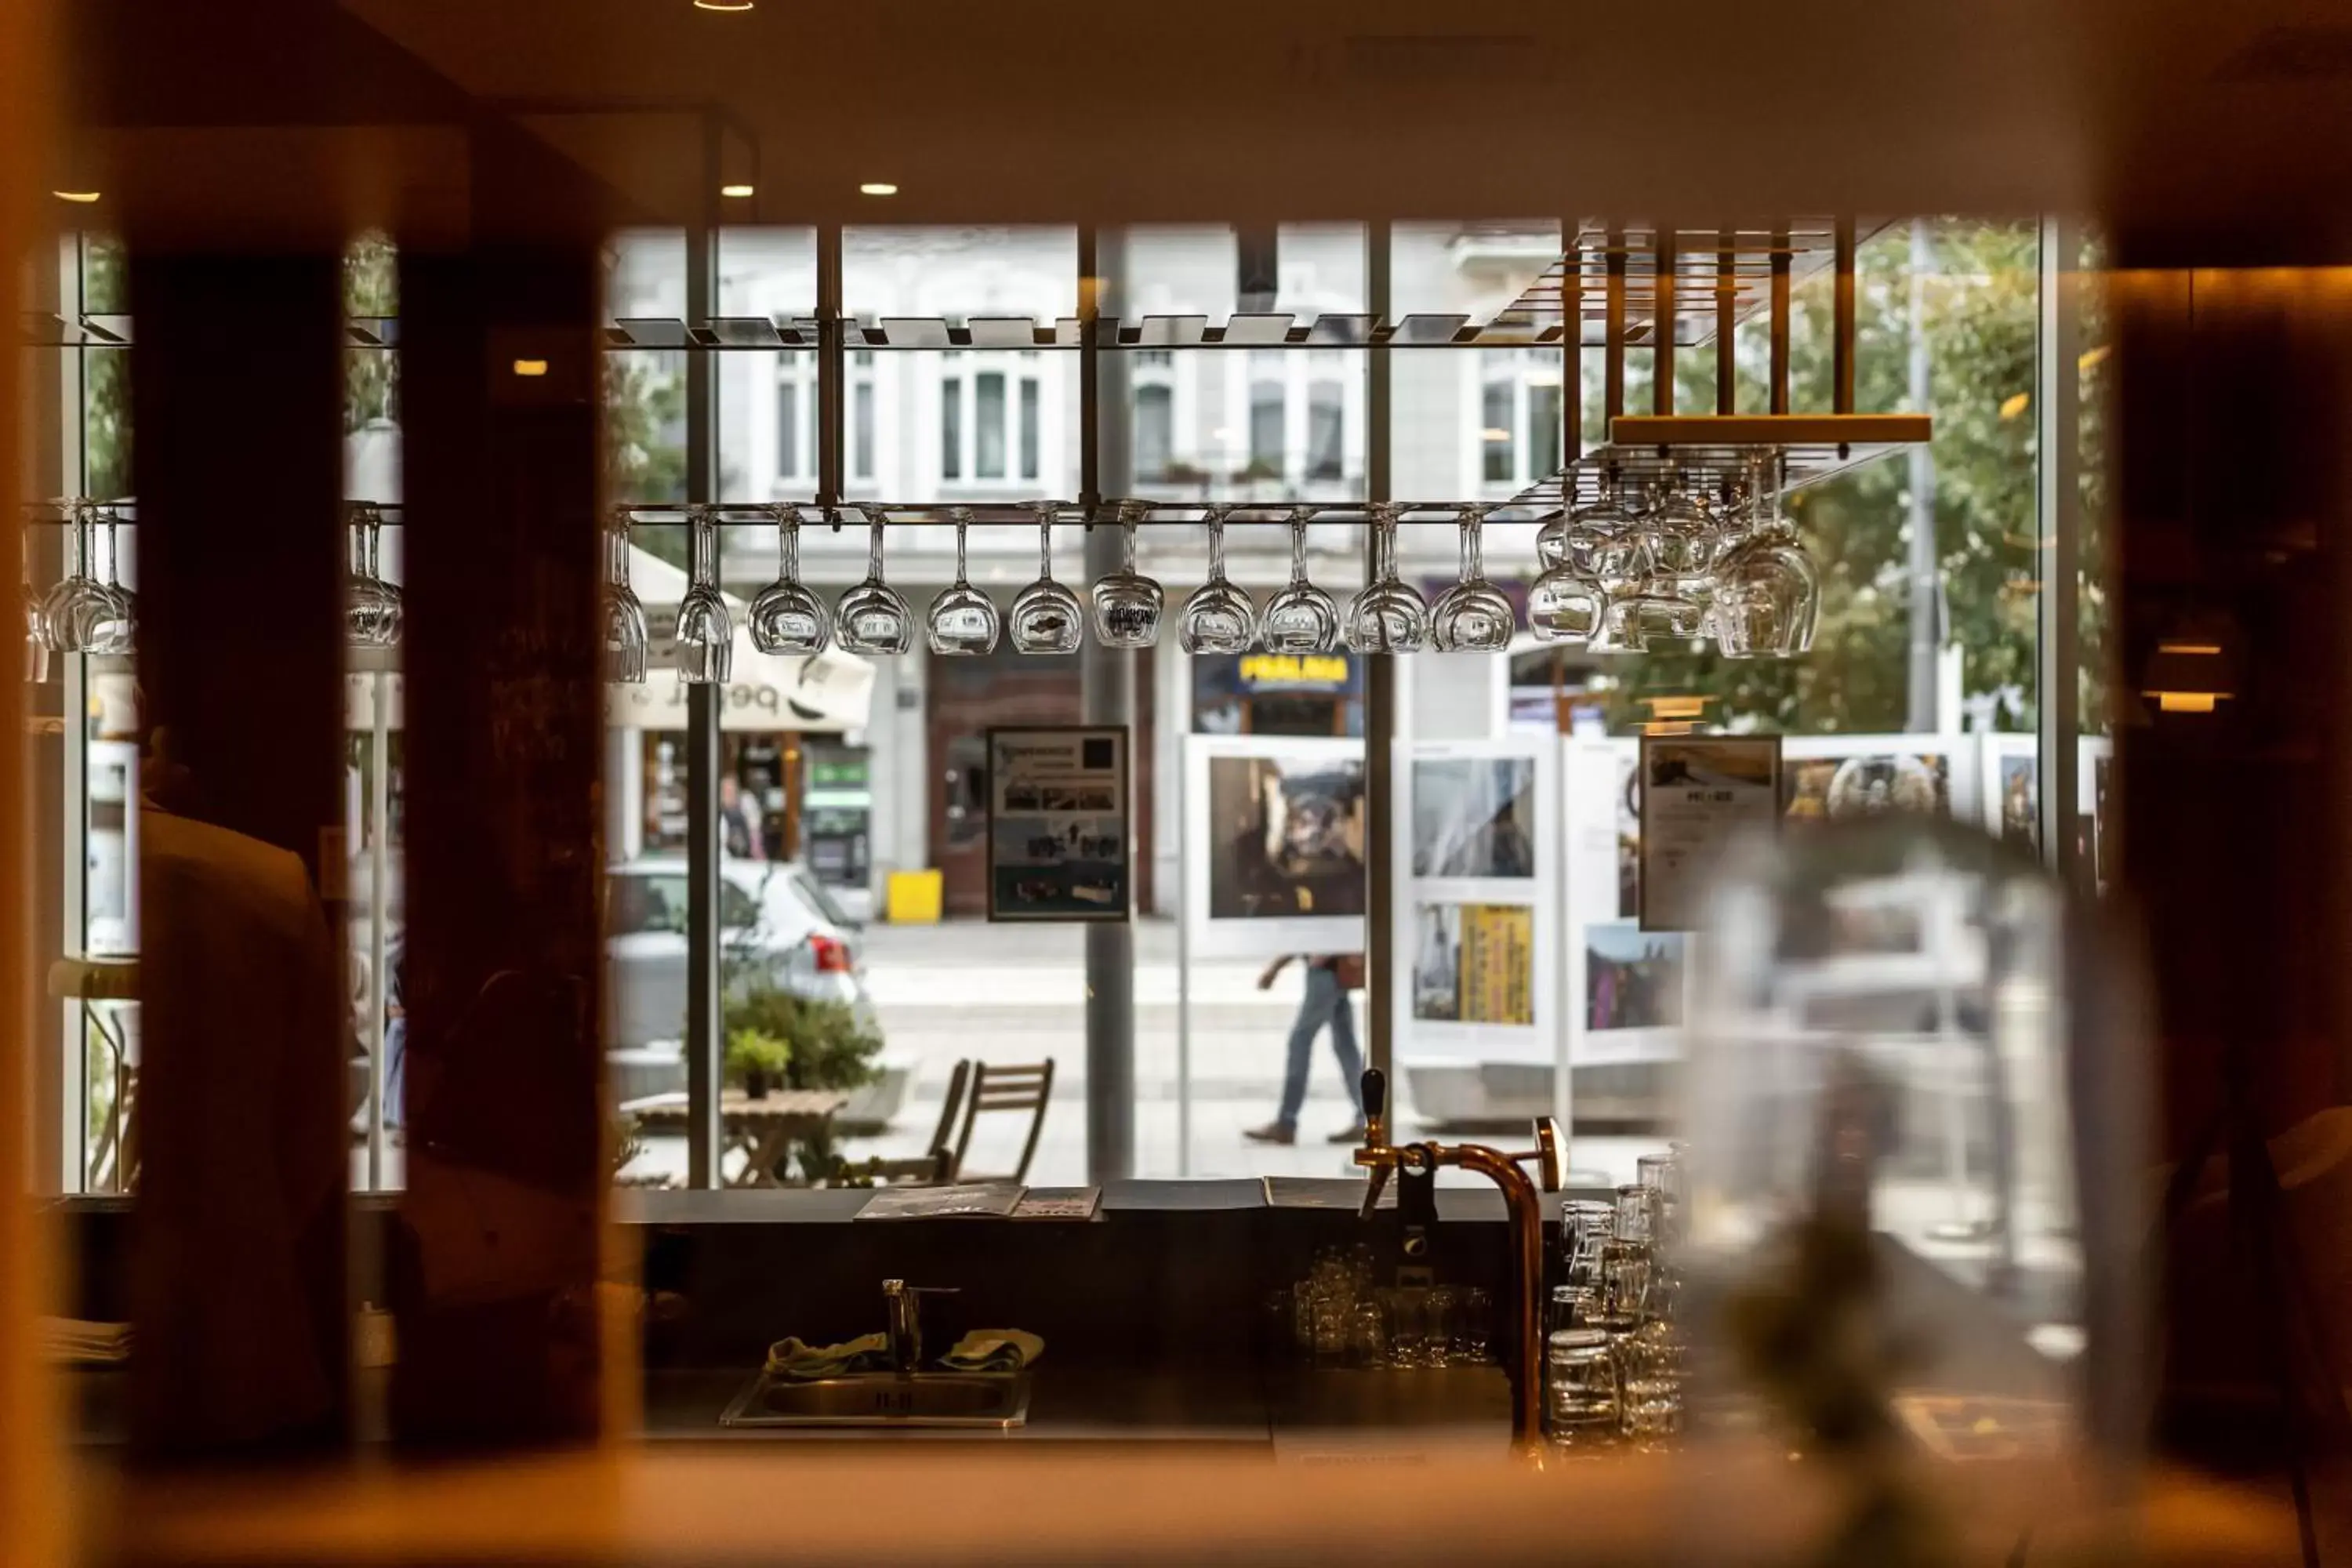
[(1627, 989), (1273, 845)]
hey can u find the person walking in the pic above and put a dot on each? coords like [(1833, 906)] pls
[(1329, 978)]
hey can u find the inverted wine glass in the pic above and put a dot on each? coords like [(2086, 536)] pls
[(1127, 604), (1300, 617), (1389, 616), (371, 606), (785, 617), (706, 632), (964, 622), (622, 618), (79, 612), (872, 618), (1046, 616), (1473, 615), (118, 631), (1218, 618), (1565, 606)]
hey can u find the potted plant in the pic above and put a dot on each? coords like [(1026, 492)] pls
[(825, 1047), (757, 1060)]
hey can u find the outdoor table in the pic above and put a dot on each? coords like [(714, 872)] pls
[(761, 1129)]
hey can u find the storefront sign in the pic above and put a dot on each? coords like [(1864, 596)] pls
[(1057, 824), (1699, 795)]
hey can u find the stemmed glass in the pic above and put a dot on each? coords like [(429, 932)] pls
[(371, 606), (1473, 615), (1300, 617), (1564, 605), (872, 618), (36, 627), (1218, 618), (1127, 604), (82, 614), (786, 617), (1389, 616), (706, 632), (963, 619), (1046, 616), (624, 617)]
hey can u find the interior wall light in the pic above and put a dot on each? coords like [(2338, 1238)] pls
[(723, 5), (2189, 675), (877, 188), (531, 367), (84, 197), (737, 193)]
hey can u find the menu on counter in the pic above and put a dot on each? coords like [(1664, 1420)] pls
[(1057, 824), (969, 1200), (1699, 793)]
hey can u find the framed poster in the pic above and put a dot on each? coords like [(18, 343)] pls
[(1273, 845), (1057, 824), (1834, 777), (2011, 789), (1699, 795)]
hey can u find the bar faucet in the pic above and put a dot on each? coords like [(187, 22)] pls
[(903, 1317), (1522, 1196)]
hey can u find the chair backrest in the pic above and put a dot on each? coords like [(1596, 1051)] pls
[(1001, 1086), (950, 1113)]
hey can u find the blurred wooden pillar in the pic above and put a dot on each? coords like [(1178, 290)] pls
[(238, 1277), (498, 1253), (2234, 528)]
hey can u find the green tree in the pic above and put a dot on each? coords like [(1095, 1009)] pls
[(370, 291)]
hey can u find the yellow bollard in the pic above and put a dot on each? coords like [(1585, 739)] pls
[(913, 897)]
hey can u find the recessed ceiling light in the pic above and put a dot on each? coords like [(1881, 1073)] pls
[(83, 196), (723, 5), (877, 188), (531, 367), (738, 192)]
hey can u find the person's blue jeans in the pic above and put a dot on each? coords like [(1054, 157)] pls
[(1326, 1001)]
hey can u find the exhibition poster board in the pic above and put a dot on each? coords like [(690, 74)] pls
[(1058, 845), (1476, 935), (1626, 989), (1699, 796), (1273, 845)]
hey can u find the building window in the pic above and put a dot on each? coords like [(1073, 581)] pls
[(788, 429), (1029, 431), (1499, 465), (988, 409), (1326, 422), (1544, 429), (1155, 433), (1266, 430), (862, 431), (952, 429)]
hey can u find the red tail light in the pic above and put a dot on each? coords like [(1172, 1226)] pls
[(831, 952)]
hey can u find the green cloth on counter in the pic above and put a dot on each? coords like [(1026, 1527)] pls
[(994, 1350), (793, 1359)]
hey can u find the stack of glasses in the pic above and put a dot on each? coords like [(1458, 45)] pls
[(1615, 1356), (1337, 1317)]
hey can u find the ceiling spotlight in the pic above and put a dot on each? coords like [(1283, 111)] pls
[(877, 188), (736, 191), (85, 197), (723, 5)]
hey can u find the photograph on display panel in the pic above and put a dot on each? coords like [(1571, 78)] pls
[(1867, 784), (1285, 836), (1057, 838), (1474, 963), (1633, 978), (1473, 817)]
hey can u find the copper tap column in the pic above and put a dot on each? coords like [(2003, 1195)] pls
[(1522, 1197)]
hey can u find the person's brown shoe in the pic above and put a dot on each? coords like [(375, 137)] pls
[(1347, 1135), (1272, 1133)]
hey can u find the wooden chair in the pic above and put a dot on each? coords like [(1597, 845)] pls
[(1000, 1087), (937, 1166)]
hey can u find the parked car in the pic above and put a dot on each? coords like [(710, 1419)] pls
[(777, 923)]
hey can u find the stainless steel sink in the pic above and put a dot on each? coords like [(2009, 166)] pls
[(973, 1399)]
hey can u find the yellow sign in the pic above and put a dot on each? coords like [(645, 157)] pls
[(1497, 971), (1274, 668)]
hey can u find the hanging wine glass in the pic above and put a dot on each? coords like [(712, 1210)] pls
[(1767, 591), (624, 618), (1678, 535), (1564, 605), (36, 627), (372, 609), (1473, 615), (79, 610), (706, 632), (1552, 540), (1389, 616), (872, 618), (963, 619), (1300, 617), (1127, 604), (1600, 541), (1046, 616), (786, 618), (1218, 618)]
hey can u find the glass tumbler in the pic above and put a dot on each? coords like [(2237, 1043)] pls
[(872, 618), (621, 618), (1474, 1328), (1127, 604), (1046, 617), (786, 618), (1218, 618), (706, 632), (963, 621), (1585, 1224), (1300, 618), (1581, 1401), (1472, 617)]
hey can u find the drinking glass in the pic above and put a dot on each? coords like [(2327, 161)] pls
[(1580, 1404), (1218, 618), (624, 617), (1443, 1306), (1368, 1335), (1650, 1368), (371, 606), (1627, 1268), (1565, 606), (1127, 604), (786, 617), (872, 618), (1679, 536), (1585, 1224), (1407, 1308), (1047, 616), (1300, 617), (1389, 616), (79, 612), (963, 619), (1601, 543), (706, 632), (1474, 1328), (117, 632), (1552, 540), (1473, 615)]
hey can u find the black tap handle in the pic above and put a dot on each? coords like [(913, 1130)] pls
[(1376, 1095)]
